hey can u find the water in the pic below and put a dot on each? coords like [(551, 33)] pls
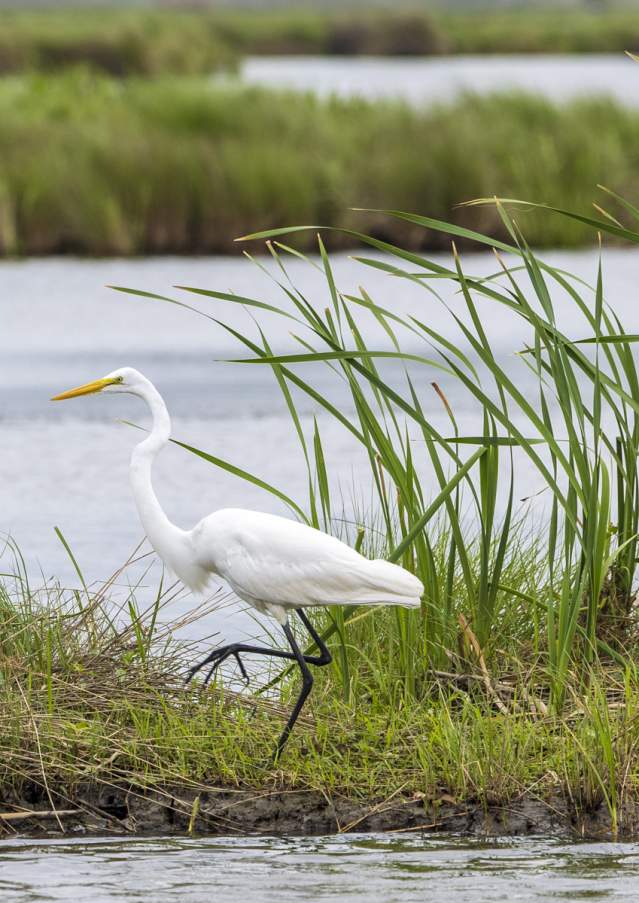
[(66, 464), (356, 867), (421, 80)]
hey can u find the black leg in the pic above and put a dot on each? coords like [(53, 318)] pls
[(325, 657), (307, 683), (233, 649), (220, 659)]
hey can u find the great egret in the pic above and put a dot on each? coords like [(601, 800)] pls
[(275, 564)]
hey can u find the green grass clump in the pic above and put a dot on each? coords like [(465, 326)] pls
[(399, 32), (96, 165), (413, 32), (90, 699), (542, 31), (493, 595)]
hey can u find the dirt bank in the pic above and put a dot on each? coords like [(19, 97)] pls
[(95, 811)]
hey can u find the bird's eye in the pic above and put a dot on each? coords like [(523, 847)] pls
[(119, 379)]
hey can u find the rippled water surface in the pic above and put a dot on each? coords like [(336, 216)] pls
[(384, 868)]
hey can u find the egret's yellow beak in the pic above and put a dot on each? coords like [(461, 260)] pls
[(87, 389)]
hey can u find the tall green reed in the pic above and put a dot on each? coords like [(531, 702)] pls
[(580, 433)]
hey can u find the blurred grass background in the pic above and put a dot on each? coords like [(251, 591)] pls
[(116, 138), (151, 41), (96, 165)]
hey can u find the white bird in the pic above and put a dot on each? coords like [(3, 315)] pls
[(275, 564)]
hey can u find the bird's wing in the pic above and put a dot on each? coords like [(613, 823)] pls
[(279, 561)]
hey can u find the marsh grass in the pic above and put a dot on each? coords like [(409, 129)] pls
[(120, 42), (92, 693), (95, 165), (580, 434)]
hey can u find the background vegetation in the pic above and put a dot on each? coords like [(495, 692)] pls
[(414, 32), (151, 41), (91, 164), (121, 42)]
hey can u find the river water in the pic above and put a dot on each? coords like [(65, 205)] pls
[(384, 868), (422, 80), (66, 464)]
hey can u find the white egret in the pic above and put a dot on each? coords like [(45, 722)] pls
[(275, 564)]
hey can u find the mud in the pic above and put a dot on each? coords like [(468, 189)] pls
[(94, 811)]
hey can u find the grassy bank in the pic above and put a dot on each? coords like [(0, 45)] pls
[(527, 632), (96, 722), (94, 165), (125, 42), (542, 31)]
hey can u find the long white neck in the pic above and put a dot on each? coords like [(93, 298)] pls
[(161, 533)]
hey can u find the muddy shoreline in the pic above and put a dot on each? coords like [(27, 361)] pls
[(98, 811)]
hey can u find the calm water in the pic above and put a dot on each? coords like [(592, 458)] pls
[(67, 464), (381, 868), (434, 79)]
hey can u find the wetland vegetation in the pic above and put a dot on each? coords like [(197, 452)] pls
[(115, 141), (95, 165), (152, 42)]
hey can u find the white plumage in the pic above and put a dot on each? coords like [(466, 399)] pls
[(277, 564)]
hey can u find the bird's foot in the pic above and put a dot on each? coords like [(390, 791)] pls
[(217, 657), (219, 661)]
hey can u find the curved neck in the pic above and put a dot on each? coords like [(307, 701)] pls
[(158, 527)]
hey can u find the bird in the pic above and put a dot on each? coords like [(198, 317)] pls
[(278, 565)]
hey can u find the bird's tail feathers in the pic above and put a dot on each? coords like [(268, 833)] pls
[(384, 583)]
